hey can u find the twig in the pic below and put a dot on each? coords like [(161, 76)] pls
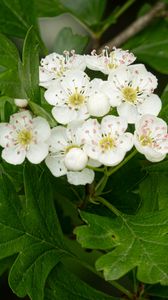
[(135, 27)]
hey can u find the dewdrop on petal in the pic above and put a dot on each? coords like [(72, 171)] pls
[(22, 103), (76, 159)]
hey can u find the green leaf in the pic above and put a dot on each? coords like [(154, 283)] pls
[(131, 241), (10, 69), (152, 48), (40, 111), (16, 17), (7, 107), (66, 40), (30, 59), (149, 194), (89, 12), (159, 171), (31, 230), (64, 285), (164, 112)]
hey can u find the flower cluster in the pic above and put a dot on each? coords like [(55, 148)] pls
[(93, 116)]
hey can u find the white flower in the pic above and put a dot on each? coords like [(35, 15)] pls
[(54, 65), (76, 98), (67, 157), (107, 61), (69, 96), (133, 87), (108, 142), (151, 138), (22, 103), (23, 137)]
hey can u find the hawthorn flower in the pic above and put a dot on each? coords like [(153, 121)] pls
[(107, 61), (67, 157), (54, 65), (75, 97), (106, 142), (151, 138), (23, 137), (69, 96), (133, 86)]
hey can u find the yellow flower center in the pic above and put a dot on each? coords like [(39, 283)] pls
[(24, 137), (107, 143), (130, 94), (145, 140), (76, 99)]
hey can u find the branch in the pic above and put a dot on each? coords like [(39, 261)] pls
[(135, 27)]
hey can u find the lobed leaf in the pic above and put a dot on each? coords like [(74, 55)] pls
[(131, 241), (30, 229)]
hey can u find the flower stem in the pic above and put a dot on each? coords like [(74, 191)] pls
[(113, 170), (109, 206)]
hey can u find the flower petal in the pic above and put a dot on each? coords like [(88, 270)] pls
[(37, 152), (58, 139), (129, 112), (14, 155), (64, 114), (114, 125), (152, 105), (41, 128), (21, 119), (55, 95), (125, 142), (56, 165), (112, 157), (81, 178), (5, 132)]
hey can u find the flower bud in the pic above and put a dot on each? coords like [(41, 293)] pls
[(21, 102), (98, 105), (76, 159)]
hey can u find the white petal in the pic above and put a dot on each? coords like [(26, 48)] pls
[(129, 112), (93, 163), (5, 130), (77, 61), (75, 79), (112, 158), (58, 139), (121, 77), (55, 95), (143, 79), (37, 152), (114, 125), (113, 94), (14, 155), (81, 178), (155, 158), (56, 165), (125, 142), (89, 131), (21, 119), (152, 105), (76, 159), (152, 124), (41, 128), (64, 114)]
